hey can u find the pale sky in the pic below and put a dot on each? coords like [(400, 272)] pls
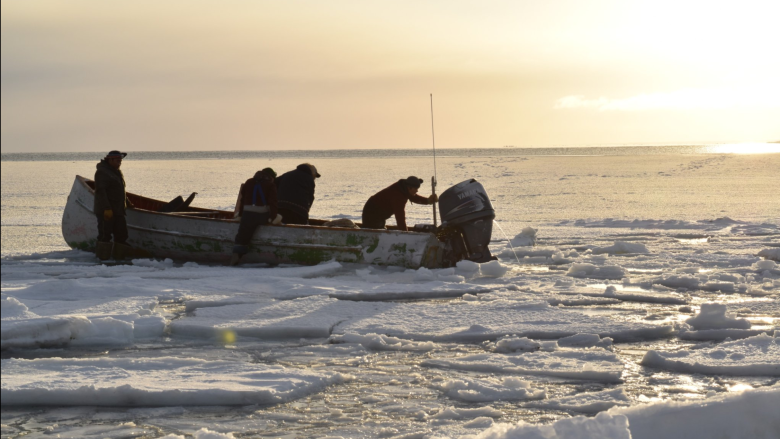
[(94, 75)]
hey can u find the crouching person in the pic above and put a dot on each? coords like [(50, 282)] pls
[(258, 206)]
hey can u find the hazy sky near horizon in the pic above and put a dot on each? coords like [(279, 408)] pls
[(90, 75)]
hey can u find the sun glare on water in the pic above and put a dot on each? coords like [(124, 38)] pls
[(744, 148)]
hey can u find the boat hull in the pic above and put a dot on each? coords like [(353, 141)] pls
[(197, 238)]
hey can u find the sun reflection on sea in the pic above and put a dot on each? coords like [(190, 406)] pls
[(744, 148)]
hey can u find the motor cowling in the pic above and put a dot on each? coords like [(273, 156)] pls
[(467, 220)]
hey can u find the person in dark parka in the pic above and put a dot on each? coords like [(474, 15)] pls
[(392, 201), (258, 207), (110, 207), (296, 193)]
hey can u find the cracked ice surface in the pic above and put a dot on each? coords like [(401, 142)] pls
[(621, 303)]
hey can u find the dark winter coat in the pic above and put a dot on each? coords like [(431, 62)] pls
[(268, 189), (392, 201), (296, 190), (110, 190)]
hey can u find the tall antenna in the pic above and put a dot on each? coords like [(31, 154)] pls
[(433, 179), (433, 138)]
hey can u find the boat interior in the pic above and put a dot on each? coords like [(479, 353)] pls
[(178, 206)]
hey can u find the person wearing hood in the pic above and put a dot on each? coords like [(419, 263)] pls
[(296, 193), (392, 201), (110, 207), (257, 206)]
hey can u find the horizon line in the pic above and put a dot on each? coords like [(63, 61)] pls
[(608, 145)]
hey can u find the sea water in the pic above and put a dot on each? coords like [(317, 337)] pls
[(631, 241)]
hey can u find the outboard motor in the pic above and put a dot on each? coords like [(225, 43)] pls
[(467, 221)]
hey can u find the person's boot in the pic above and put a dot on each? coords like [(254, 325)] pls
[(103, 250), (121, 251), (235, 258)]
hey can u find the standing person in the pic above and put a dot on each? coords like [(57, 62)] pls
[(296, 193), (110, 207), (258, 206), (392, 201)]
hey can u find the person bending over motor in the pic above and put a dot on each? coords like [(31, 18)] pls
[(258, 206), (392, 201), (111, 202)]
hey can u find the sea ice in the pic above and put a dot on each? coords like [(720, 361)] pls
[(740, 415), (758, 355), (595, 272), (203, 433), (586, 402), (161, 381), (765, 265), (581, 300), (612, 293), (467, 413), (489, 389), (378, 342), (584, 341), (602, 426), (515, 344), (471, 322), (681, 281), (493, 269), (713, 316), (311, 317), (770, 253), (585, 364), (621, 247), (73, 330), (526, 238)]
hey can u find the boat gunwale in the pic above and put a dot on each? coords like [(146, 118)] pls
[(84, 181)]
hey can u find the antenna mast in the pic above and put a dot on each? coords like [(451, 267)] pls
[(433, 179), (433, 139)]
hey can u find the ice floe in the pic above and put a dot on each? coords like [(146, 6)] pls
[(728, 416), (602, 426), (485, 390), (473, 322), (751, 413), (584, 364), (162, 381), (586, 402), (596, 272), (380, 342), (758, 355), (770, 253), (620, 248), (714, 316)]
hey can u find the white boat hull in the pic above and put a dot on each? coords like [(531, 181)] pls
[(184, 237)]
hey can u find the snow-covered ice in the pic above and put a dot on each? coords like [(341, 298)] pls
[(589, 364), (735, 416), (162, 381), (587, 402), (714, 316), (758, 355), (610, 315), (505, 389)]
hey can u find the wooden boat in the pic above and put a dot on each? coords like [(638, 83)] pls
[(206, 235)]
